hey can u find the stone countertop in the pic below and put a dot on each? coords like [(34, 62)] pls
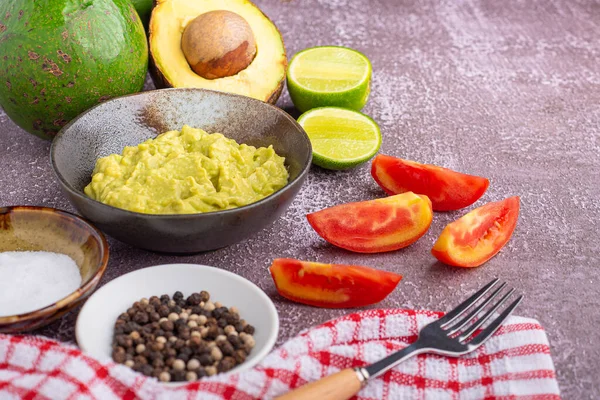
[(509, 90)]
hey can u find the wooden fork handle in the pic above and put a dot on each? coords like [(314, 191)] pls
[(339, 386)]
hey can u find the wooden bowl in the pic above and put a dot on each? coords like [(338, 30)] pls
[(27, 228)]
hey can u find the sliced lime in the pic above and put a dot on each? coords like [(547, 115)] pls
[(329, 76), (341, 138)]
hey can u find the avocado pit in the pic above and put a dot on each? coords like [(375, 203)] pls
[(218, 44)]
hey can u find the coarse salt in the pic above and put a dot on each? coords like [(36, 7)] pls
[(30, 280)]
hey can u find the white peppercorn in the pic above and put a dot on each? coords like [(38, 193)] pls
[(216, 354), (164, 377), (193, 364), (179, 365)]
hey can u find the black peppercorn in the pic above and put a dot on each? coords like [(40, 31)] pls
[(194, 299), (177, 296), (167, 326), (249, 329), (235, 341), (226, 347), (146, 370), (226, 364), (201, 372), (240, 356), (218, 312), (213, 332), (154, 316), (232, 319), (177, 376), (176, 309), (205, 359), (222, 322), (197, 310), (163, 311)]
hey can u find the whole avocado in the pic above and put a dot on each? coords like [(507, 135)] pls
[(61, 57)]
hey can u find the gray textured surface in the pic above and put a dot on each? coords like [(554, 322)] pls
[(509, 90)]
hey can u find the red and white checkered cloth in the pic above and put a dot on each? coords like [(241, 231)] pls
[(514, 364)]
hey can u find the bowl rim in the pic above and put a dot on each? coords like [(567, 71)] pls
[(82, 289), (264, 200), (261, 354)]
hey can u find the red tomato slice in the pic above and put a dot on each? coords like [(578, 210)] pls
[(478, 235), (375, 226), (447, 189), (331, 285)]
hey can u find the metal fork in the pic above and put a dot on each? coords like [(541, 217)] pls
[(452, 335)]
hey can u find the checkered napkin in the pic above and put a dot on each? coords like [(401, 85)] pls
[(514, 364)]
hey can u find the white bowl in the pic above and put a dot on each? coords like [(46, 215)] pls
[(96, 320)]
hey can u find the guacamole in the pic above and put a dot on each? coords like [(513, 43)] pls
[(187, 172)]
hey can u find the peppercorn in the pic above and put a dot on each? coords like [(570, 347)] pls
[(216, 354), (164, 377), (240, 356), (146, 370), (119, 356), (194, 299), (232, 319), (205, 359), (177, 296), (218, 312), (204, 296), (177, 376), (193, 364), (226, 364), (163, 311), (167, 326), (235, 341), (156, 335), (226, 347)]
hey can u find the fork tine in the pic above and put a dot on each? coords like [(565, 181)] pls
[(493, 327), (459, 325), (465, 335), (455, 313)]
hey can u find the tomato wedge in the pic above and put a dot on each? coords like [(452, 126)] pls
[(447, 189), (331, 285), (478, 235), (375, 226)]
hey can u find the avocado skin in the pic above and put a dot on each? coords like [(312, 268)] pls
[(144, 9), (61, 57)]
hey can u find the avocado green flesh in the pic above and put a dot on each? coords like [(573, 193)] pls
[(61, 57), (187, 172)]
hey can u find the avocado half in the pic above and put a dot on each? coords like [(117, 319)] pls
[(263, 79)]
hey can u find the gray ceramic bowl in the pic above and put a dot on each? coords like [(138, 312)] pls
[(129, 120)]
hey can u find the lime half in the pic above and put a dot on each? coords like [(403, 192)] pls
[(340, 138), (329, 76)]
